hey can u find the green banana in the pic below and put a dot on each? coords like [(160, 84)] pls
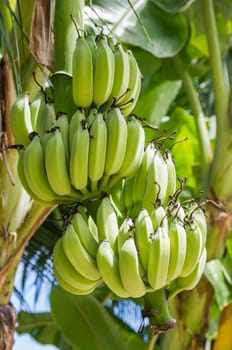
[(82, 72), (116, 142), (193, 249), (84, 233), (67, 271), (21, 174), (158, 262), (128, 196), (197, 215), (121, 75), (34, 109), (81, 260), (159, 217), (129, 269), (97, 151), (108, 265), (56, 165), (45, 115), (133, 155), (79, 157), (62, 123), (178, 243), (76, 120), (143, 233), (171, 185), (20, 120), (124, 232), (157, 181), (103, 72), (190, 281), (117, 198), (107, 223), (128, 102), (35, 173), (68, 287), (140, 179)]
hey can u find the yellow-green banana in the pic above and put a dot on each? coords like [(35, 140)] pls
[(46, 115), (62, 123), (35, 173), (178, 243), (133, 155), (129, 269), (97, 151), (190, 281), (66, 270), (103, 72), (81, 260), (124, 232), (157, 181), (69, 287), (140, 179), (121, 75), (128, 102), (75, 122), (107, 223), (21, 174), (79, 157), (171, 185), (143, 233), (158, 262), (193, 249), (159, 217), (56, 165), (87, 238), (116, 141), (20, 120), (108, 265), (82, 72)]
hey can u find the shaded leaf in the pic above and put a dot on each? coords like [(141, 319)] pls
[(173, 6), (158, 38), (85, 322), (214, 272), (154, 103), (42, 327), (143, 24)]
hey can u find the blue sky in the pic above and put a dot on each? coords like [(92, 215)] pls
[(25, 342)]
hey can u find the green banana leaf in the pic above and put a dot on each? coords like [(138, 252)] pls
[(85, 322), (42, 327), (145, 25), (215, 273), (173, 6)]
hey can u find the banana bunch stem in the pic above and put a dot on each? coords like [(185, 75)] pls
[(157, 310), (65, 32)]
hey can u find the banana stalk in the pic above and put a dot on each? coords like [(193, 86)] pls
[(156, 308), (65, 33)]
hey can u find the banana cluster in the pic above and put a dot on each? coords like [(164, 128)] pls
[(26, 118), (104, 74), (74, 256), (154, 183), (161, 249), (82, 157)]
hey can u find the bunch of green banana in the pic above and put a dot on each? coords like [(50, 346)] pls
[(154, 182), (81, 158), (25, 118), (104, 74), (153, 251), (74, 257)]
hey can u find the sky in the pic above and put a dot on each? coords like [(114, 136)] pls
[(26, 342)]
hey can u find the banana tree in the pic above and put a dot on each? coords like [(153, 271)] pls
[(183, 51)]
